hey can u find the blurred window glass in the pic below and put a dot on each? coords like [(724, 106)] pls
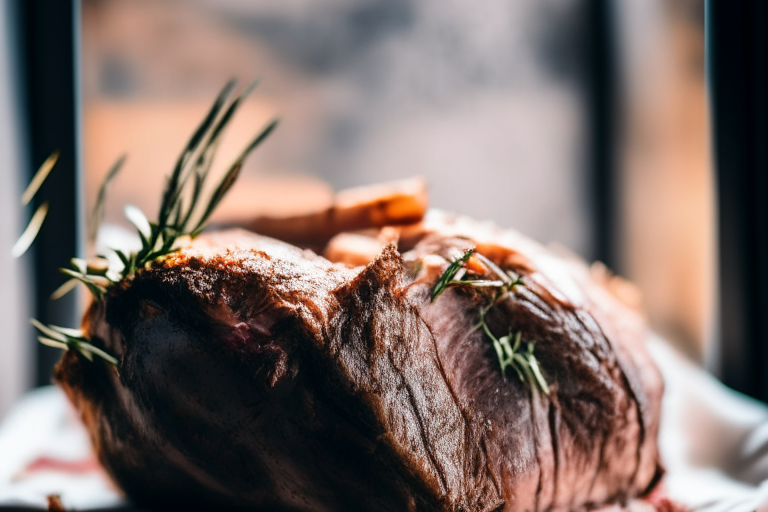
[(666, 192), (483, 99)]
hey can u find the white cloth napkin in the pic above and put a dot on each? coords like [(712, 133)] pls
[(44, 450), (713, 441)]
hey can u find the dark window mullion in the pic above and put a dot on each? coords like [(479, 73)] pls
[(737, 46), (603, 129), (48, 44)]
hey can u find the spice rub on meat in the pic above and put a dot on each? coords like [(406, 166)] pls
[(253, 374)]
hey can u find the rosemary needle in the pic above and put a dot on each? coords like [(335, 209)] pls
[(40, 176), (29, 234)]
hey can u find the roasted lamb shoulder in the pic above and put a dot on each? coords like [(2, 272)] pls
[(254, 374)]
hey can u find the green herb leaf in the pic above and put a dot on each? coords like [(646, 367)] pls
[(479, 283), (64, 289), (52, 343), (97, 351), (533, 363), (495, 268), (123, 257), (97, 214), (229, 178), (84, 352), (75, 334), (65, 338), (450, 272), (30, 233), (94, 286), (48, 331), (40, 176), (139, 220), (79, 264), (224, 121), (173, 189)]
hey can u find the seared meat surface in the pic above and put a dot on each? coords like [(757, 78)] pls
[(253, 374)]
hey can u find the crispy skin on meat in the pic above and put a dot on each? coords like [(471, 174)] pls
[(253, 374)]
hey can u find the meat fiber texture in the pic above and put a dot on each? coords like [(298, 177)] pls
[(257, 375)]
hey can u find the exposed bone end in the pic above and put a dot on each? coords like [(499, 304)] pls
[(373, 206)]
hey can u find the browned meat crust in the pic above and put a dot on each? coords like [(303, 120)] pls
[(256, 375)]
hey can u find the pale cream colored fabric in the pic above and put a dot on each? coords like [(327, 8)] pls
[(714, 441)]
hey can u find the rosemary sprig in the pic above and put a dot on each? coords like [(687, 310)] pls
[(96, 284), (95, 274), (510, 349), (176, 218), (66, 339), (54, 336), (183, 213)]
